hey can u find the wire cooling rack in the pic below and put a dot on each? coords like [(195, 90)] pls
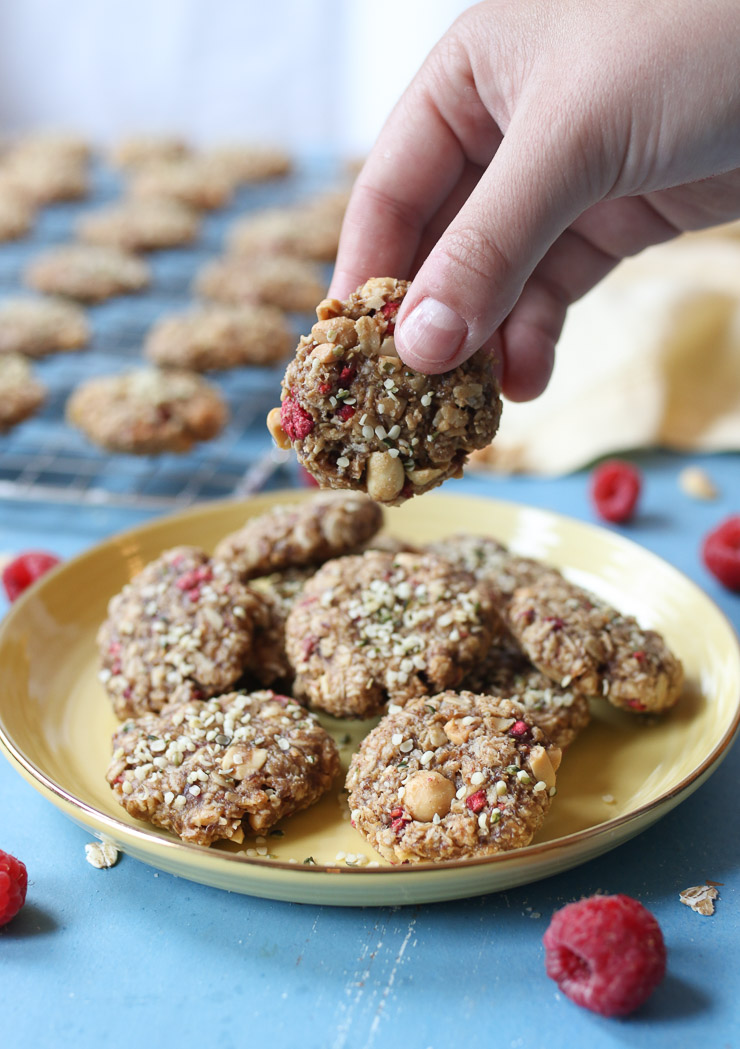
[(46, 459)]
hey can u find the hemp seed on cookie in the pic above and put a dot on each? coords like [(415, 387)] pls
[(210, 770), (297, 534), (358, 417), (384, 627), (451, 776), (146, 411), (182, 628)]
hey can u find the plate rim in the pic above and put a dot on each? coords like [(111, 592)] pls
[(102, 822)]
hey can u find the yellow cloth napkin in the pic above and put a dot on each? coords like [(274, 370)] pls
[(650, 357)]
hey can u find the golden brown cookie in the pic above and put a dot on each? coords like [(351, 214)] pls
[(278, 280), (140, 225), (146, 412), (220, 337), (21, 395), (191, 181), (36, 327), (87, 272)]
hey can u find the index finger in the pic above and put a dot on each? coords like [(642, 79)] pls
[(412, 168)]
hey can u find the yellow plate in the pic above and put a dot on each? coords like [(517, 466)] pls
[(615, 781)]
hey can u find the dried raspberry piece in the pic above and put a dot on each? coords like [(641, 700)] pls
[(476, 801), (615, 489), (605, 953), (346, 375), (721, 552), (13, 886), (520, 730), (346, 412), (295, 420), (26, 569), (307, 478), (389, 311)]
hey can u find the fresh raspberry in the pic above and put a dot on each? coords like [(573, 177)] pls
[(615, 489), (721, 552), (295, 420), (13, 885), (26, 569), (605, 953)]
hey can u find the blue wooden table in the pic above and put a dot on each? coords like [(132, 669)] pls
[(133, 957)]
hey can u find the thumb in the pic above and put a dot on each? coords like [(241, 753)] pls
[(531, 191)]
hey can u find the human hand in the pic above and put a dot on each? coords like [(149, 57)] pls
[(538, 146)]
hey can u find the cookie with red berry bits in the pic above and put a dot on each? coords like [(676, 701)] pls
[(278, 280), (379, 627), (36, 326), (88, 272), (210, 770), (220, 337), (146, 411), (20, 393), (581, 641), (506, 673), (451, 776), (306, 533), (358, 417), (140, 225), (182, 628)]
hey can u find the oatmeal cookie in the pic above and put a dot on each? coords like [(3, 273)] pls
[(297, 534), (36, 327), (20, 394), (191, 181), (210, 770), (250, 162), (377, 627), (17, 212), (308, 232), (506, 673), (45, 178), (575, 638), (279, 591), (140, 225), (492, 564), (60, 146), (87, 272), (359, 418), (136, 150), (220, 337), (182, 629), (146, 412), (278, 280), (451, 776)]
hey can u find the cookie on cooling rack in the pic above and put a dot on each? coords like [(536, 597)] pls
[(307, 232), (358, 417), (140, 225), (136, 150), (17, 212), (380, 627), (88, 272), (147, 412), (183, 628), (451, 776), (21, 395), (209, 770), (278, 280), (191, 181), (39, 326), (305, 533), (250, 162), (220, 337)]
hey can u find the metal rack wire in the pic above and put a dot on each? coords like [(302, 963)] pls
[(46, 459)]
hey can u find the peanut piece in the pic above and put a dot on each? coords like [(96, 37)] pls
[(423, 477), (428, 794), (243, 760), (384, 477), (457, 732), (696, 483), (368, 336), (275, 427), (329, 308), (541, 765), (339, 330)]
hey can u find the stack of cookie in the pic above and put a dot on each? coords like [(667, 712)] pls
[(482, 665)]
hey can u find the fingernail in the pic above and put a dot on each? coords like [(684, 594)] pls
[(431, 334)]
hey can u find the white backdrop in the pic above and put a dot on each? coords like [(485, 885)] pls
[(314, 75)]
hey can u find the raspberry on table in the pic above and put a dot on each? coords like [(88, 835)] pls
[(615, 489), (721, 552), (26, 569), (605, 953), (13, 885)]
